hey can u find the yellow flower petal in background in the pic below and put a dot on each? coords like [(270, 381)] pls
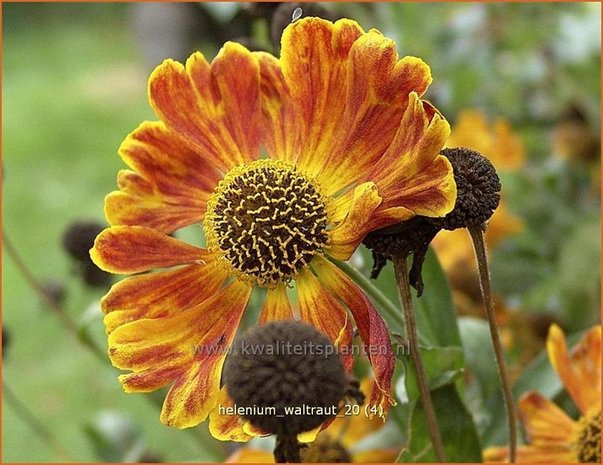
[(545, 423), (552, 435), (250, 455), (580, 369), (496, 141)]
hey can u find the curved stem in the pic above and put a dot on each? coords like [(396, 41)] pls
[(58, 310), (484, 276), (34, 423), (206, 443), (401, 269)]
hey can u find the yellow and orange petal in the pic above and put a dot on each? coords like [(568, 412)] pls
[(545, 423), (552, 435), (371, 327), (528, 454), (321, 309), (162, 192), (186, 350), (160, 295), (214, 109), (496, 141), (132, 249), (549, 432), (276, 306), (349, 108), (580, 369)]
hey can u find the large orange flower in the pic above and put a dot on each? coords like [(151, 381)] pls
[(288, 163), (553, 436)]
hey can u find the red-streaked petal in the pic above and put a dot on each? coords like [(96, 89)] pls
[(124, 209), (134, 184), (345, 237), (371, 327), (320, 309), (169, 186), (160, 157), (349, 90), (225, 426), (187, 348), (431, 192), (194, 395), (158, 295), (276, 305), (195, 333), (132, 249), (281, 131), (418, 141), (580, 370), (412, 174), (214, 108), (545, 423), (314, 64), (152, 378), (378, 87)]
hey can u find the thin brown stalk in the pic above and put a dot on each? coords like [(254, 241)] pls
[(479, 246), (401, 269)]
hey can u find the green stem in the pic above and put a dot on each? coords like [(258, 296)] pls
[(58, 310), (34, 423), (484, 274), (375, 294), (401, 270), (391, 312), (206, 443)]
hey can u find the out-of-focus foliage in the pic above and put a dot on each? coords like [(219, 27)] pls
[(74, 84)]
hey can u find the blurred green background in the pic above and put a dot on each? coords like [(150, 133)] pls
[(74, 84)]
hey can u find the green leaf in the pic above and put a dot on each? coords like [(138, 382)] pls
[(115, 438), (443, 365), (479, 355), (436, 317), (435, 312), (460, 438)]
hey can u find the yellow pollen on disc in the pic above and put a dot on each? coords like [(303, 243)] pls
[(267, 221), (588, 441)]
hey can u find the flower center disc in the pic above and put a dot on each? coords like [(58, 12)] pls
[(589, 438), (267, 220)]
